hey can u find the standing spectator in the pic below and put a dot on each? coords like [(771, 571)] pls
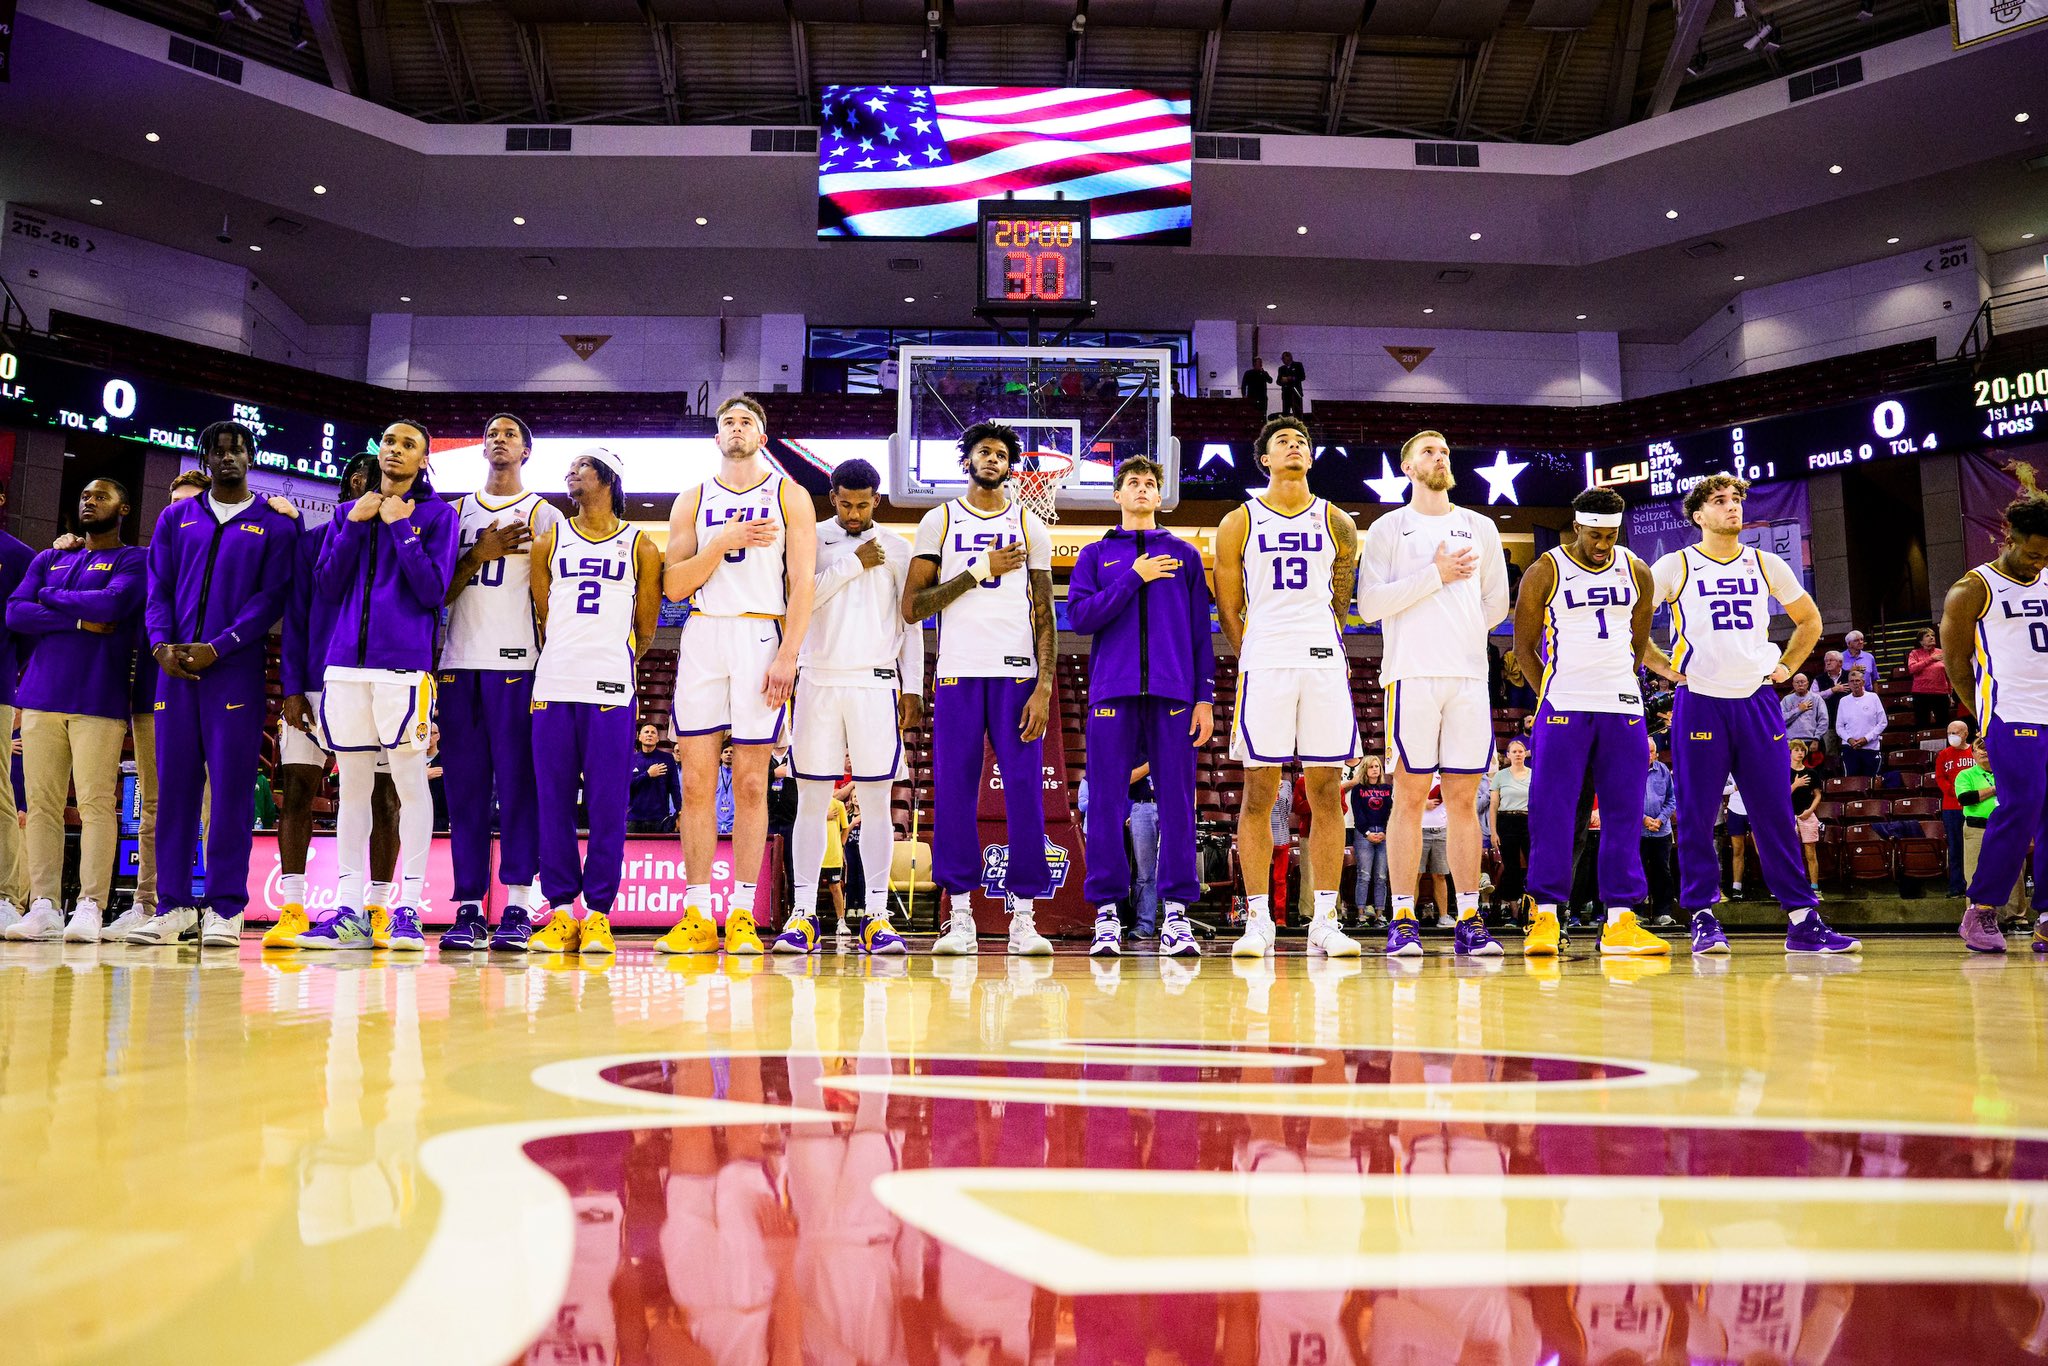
[(656, 796), (724, 799), (1737, 827), (1832, 685), (14, 562), (832, 872), (1436, 854), (1947, 765), (1144, 827), (1258, 386), (1806, 811), (1508, 823), (1660, 804), (1930, 681), (1372, 801), (1978, 792), (1303, 820), (1293, 376), (1515, 689), (856, 882), (1282, 828), (1859, 718), (1806, 711), (437, 788), (1854, 656)]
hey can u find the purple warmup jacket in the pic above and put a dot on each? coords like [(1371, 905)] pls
[(219, 583), (308, 618), (71, 670), (14, 558), (1151, 639), (387, 581)]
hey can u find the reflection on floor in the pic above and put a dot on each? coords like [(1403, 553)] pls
[(493, 1159)]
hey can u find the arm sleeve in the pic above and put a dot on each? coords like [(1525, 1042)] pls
[(1779, 578), (1198, 628), (834, 577), (26, 614), (1380, 594), (120, 597), (1037, 543), (160, 604), (426, 559), (931, 534), (275, 586), (1090, 605), (1493, 576), (340, 556)]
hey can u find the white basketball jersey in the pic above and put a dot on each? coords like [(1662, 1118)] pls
[(491, 625), (1721, 616), (2011, 663), (1588, 663), (588, 656), (1758, 1319), (1622, 1318), (1288, 563), (856, 636), (985, 632), (585, 1328), (1441, 634), (751, 581)]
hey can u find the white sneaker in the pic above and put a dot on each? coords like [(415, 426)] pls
[(1176, 973), (1326, 936), (1109, 937), (220, 931), (961, 936), (165, 926), (84, 925), (10, 916), (1445, 921), (1025, 940), (1257, 939), (129, 921), (43, 922)]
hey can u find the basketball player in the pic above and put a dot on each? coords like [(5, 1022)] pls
[(1994, 632), (1432, 574), (596, 599), (743, 547), (1725, 720), (484, 697), (302, 752), (388, 561), (1581, 625), (984, 568), (1151, 688), (860, 685), (1285, 564), (220, 570)]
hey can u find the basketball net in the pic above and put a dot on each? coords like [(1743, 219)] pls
[(1039, 489)]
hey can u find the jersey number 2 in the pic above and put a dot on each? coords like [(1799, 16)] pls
[(589, 597)]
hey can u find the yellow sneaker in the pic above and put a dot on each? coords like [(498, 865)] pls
[(740, 935), (291, 923), (1543, 935), (380, 926), (694, 933), (1622, 937), (559, 935), (597, 934)]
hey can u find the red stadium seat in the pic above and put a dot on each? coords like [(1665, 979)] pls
[(1868, 860), (1846, 787), (1916, 807), (1865, 810)]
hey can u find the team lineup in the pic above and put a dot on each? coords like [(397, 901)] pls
[(810, 635)]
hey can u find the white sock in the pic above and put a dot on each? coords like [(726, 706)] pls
[(963, 904), (1258, 907), (742, 898), (358, 771), (415, 823), (1020, 905), (292, 887), (697, 897), (1107, 910), (1404, 908), (1615, 913), (377, 894), (1326, 905), (1548, 908), (807, 840), (1468, 904), (1176, 911), (519, 898), (877, 841), (1799, 916)]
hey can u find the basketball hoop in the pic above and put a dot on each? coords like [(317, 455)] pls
[(1039, 489)]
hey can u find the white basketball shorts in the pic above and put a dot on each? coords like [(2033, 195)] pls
[(295, 746), (395, 710), (722, 663), (1440, 725), (838, 727), (1299, 715)]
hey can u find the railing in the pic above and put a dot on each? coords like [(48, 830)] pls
[(13, 316), (2016, 310)]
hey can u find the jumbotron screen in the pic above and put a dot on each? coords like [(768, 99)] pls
[(914, 161)]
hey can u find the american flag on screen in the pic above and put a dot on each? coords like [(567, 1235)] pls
[(914, 160)]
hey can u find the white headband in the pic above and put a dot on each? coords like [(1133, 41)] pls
[(1599, 520)]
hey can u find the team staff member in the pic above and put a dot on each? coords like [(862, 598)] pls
[(1139, 591), (82, 606), (657, 793), (220, 571), (14, 562)]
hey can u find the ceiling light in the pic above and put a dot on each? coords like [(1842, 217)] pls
[(1834, 170), (561, 298), (405, 298), (151, 137), (1671, 213), (254, 247), (702, 221), (2020, 117), (1891, 241), (1272, 306), (1475, 237), (1582, 317), (2026, 237), (1091, 303), (517, 221), (95, 202), (726, 297), (319, 189), (910, 298), (1429, 310), (1301, 231), (1740, 278)]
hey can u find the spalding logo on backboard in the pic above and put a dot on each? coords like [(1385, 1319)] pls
[(995, 866)]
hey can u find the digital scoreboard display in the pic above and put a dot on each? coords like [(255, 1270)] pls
[(35, 391), (2011, 403), (1034, 255)]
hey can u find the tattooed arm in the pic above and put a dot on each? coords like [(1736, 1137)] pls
[(1343, 573)]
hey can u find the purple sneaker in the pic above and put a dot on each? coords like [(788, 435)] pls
[(1473, 941), (1812, 935), (1404, 938), (1707, 936), (1980, 930), (515, 928), (470, 930)]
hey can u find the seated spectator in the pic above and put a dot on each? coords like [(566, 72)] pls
[(1930, 681), (1806, 713), (1947, 765), (1860, 721)]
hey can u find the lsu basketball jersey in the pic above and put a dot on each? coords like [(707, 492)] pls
[(1442, 634), (491, 625), (1588, 662), (1614, 1319), (1288, 563), (588, 656), (985, 633), (1758, 1320), (751, 581), (1721, 616), (2011, 659)]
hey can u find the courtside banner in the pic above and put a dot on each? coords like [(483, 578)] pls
[(1974, 21)]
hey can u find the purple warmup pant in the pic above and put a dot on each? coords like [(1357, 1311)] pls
[(587, 745), (487, 725), (1121, 735), (1713, 738), (964, 711), (211, 729), (2019, 762), (1616, 748)]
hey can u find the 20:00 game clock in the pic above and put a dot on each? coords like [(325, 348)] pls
[(1034, 255)]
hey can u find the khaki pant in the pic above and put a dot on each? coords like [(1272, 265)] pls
[(145, 799), (13, 866), (60, 753), (1973, 841)]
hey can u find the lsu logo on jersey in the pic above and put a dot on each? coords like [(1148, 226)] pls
[(591, 567), (995, 866), (1290, 542), (249, 527), (539, 706), (1602, 595), (1105, 711), (1557, 721), (967, 542), (715, 516), (1701, 735), (2028, 732), (1729, 588), (98, 565), (2024, 607)]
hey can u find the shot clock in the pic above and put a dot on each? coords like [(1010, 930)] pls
[(1034, 255)]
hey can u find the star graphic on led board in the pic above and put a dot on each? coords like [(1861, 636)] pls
[(1500, 477), (1391, 486)]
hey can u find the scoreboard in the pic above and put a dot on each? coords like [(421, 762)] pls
[(1034, 255)]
